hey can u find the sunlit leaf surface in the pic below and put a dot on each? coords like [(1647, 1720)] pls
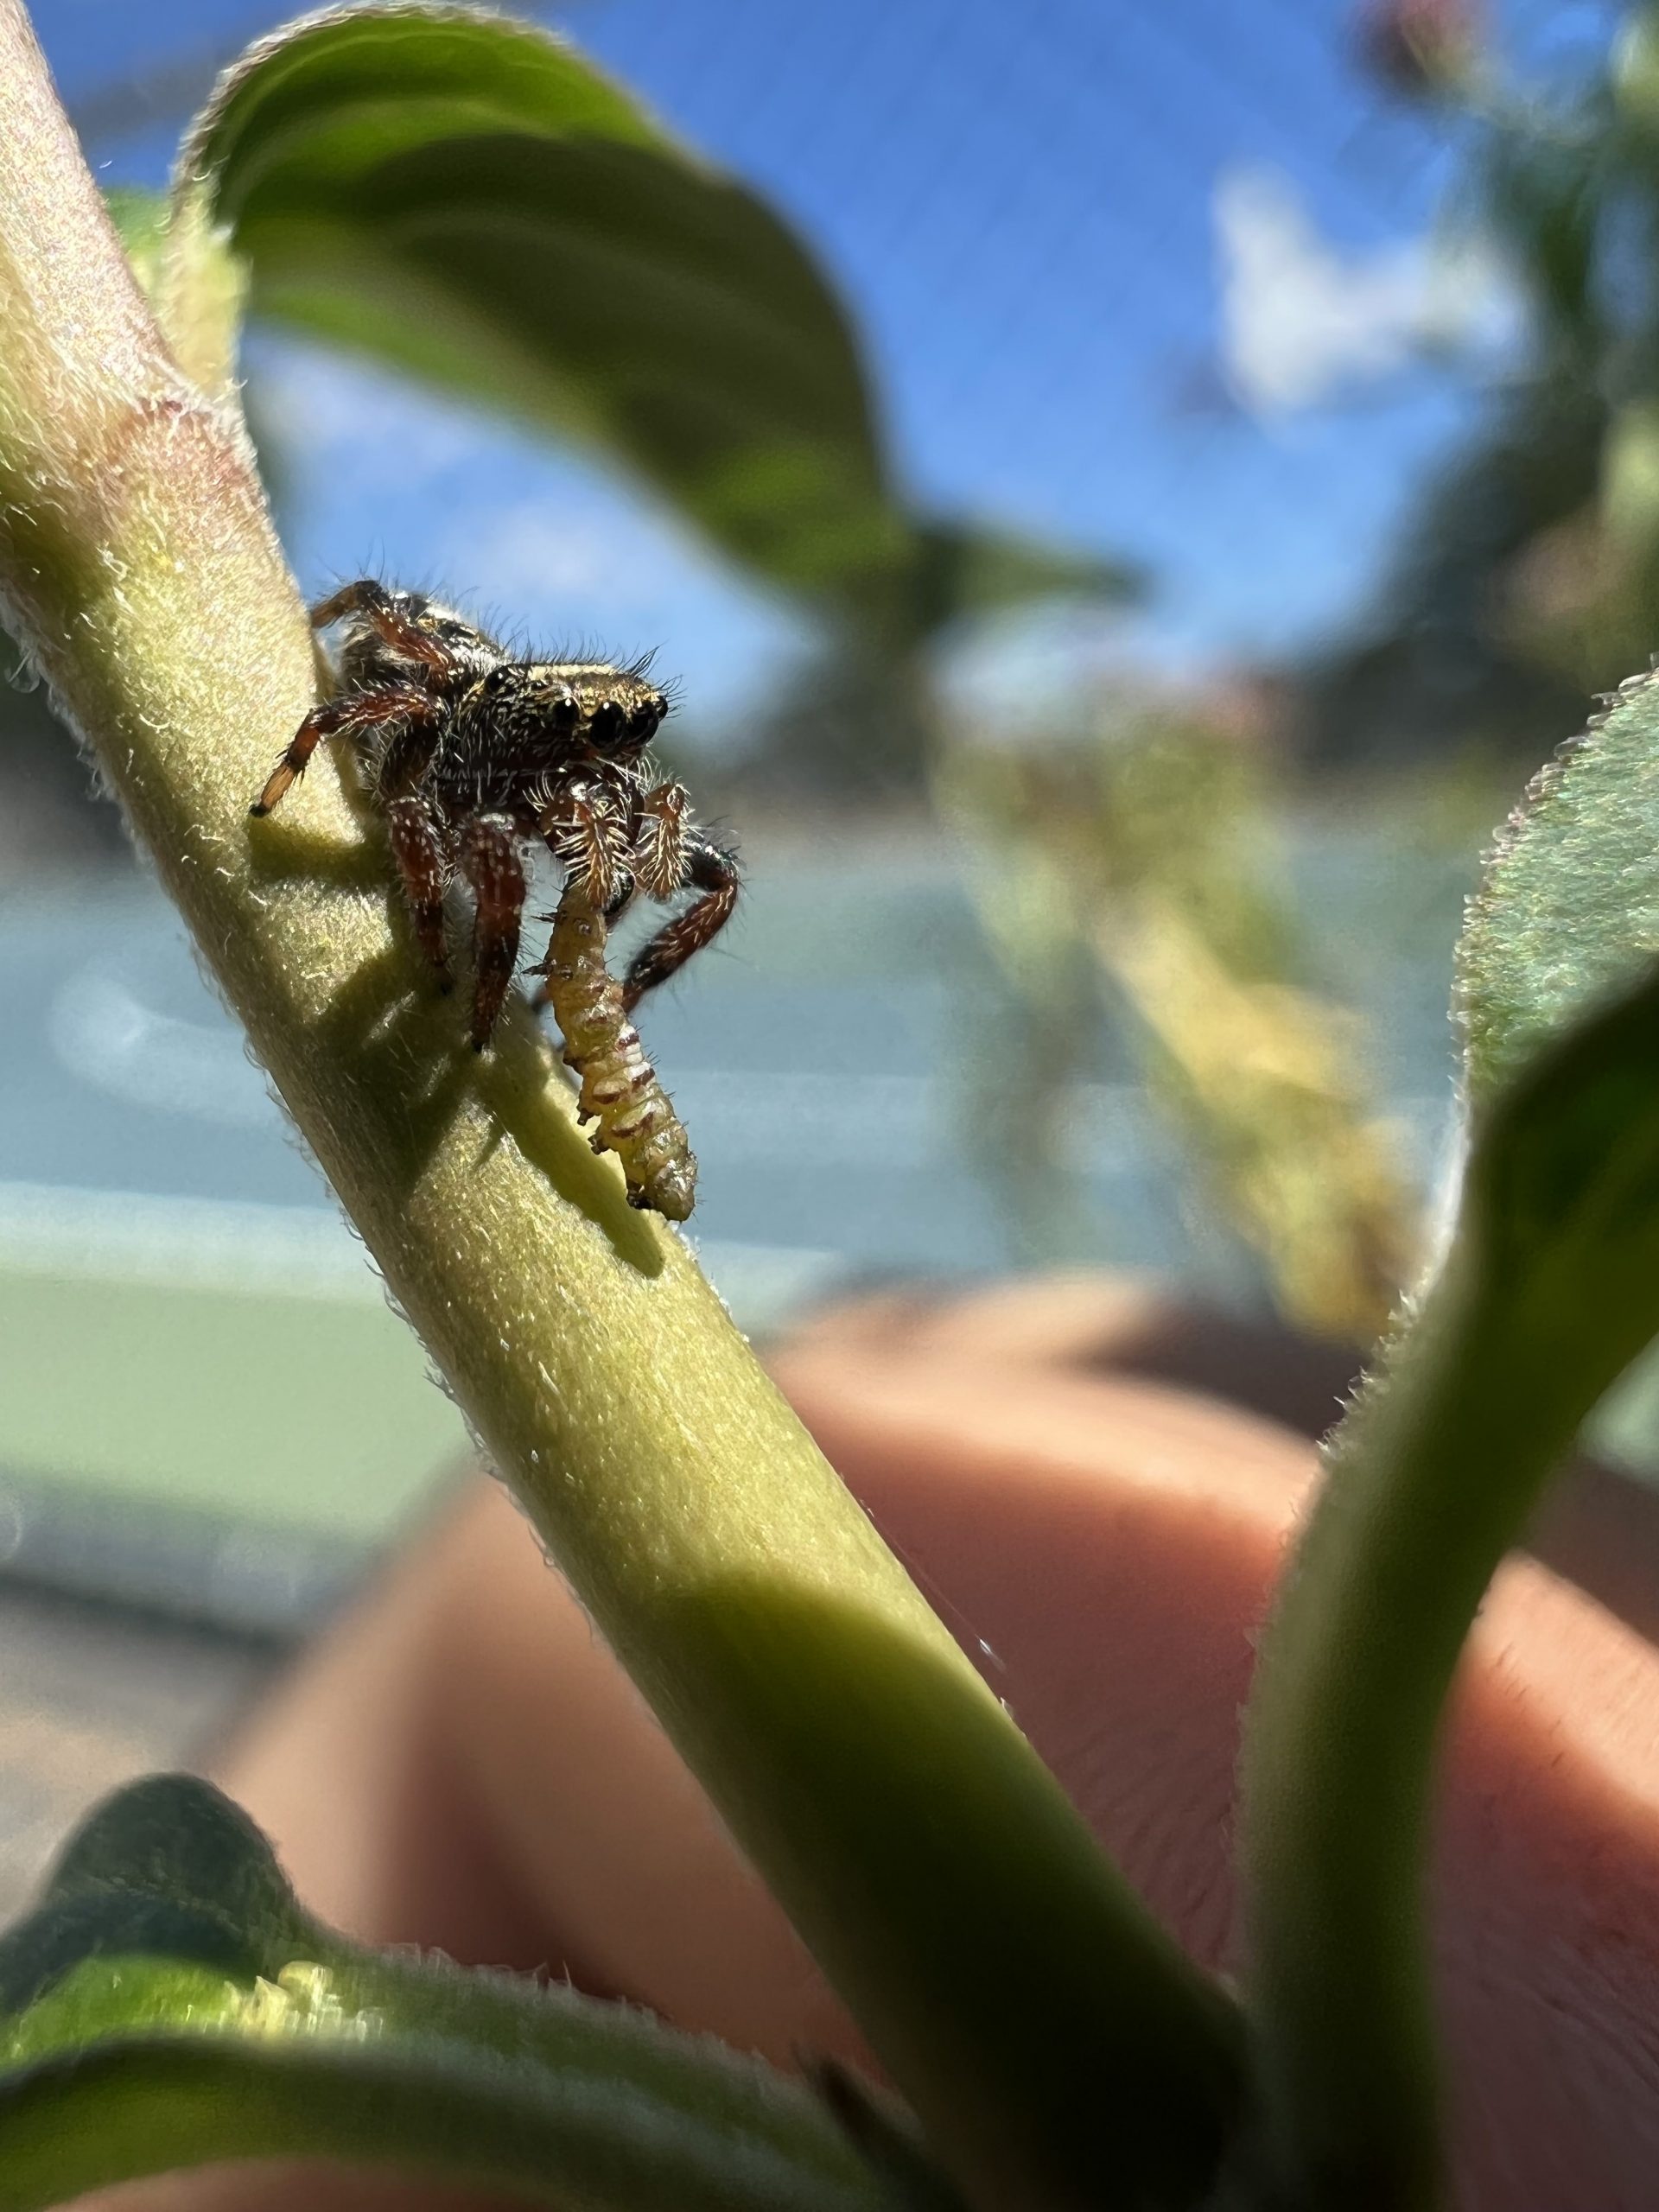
[(468, 198)]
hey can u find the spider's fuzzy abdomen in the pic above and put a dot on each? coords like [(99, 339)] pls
[(364, 657)]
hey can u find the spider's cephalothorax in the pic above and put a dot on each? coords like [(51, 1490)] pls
[(471, 754)]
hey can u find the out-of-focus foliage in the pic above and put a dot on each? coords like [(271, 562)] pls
[(861, 711), (1529, 572), (1133, 867)]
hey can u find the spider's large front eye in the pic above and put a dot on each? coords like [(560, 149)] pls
[(608, 723)]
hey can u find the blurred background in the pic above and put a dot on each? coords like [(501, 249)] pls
[(1273, 397)]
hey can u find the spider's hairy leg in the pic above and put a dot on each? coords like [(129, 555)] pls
[(713, 872), (494, 867), (660, 839), (424, 866), (354, 714), (377, 606)]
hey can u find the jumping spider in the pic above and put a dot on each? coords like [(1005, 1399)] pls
[(470, 755)]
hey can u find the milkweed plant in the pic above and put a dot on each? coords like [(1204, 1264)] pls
[(428, 184)]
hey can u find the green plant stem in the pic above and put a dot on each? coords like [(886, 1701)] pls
[(1548, 1291), (1342, 1731), (1051, 2038)]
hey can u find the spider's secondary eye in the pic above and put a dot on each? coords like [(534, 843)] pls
[(645, 720), (498, 680)]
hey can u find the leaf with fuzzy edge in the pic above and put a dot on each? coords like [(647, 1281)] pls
[(1568, 910), (169, 2004), (469, 199), (1549, 1288)]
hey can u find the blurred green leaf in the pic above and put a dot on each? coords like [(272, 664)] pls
[(966, 570), (466, 198), (1549, 1290), (169, 2004), (1634, 74)]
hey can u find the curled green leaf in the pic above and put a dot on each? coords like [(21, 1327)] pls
[(471, 199), (169, 2004)]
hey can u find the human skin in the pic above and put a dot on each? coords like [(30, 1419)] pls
[(461, 1764)]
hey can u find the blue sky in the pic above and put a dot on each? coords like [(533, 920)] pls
[(1020, 199)]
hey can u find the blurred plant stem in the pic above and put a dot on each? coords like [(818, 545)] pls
[(1134, 869), (1257, 1074)]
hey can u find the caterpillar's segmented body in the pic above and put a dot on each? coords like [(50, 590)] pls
[(620, 1093)]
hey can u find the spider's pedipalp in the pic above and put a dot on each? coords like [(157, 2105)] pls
[(660, 845), (588, 833)]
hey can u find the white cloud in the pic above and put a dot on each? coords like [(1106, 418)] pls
[(1301, 323)]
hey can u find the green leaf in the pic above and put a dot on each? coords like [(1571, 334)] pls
[(1569, 907), (468, 198), (1549, 1289), (169, 2004)]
